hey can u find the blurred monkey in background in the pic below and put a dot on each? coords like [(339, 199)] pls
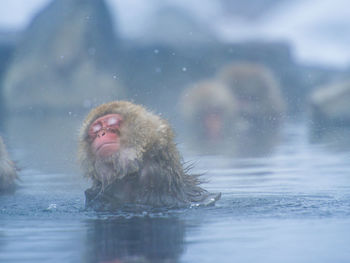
[(210, 112), (260, 103)]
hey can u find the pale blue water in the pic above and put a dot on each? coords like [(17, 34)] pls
[(293, 206)]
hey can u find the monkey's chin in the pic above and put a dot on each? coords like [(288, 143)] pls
[(107, 149)]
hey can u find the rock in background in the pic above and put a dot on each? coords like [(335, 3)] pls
[(66, 60), (65, 63)]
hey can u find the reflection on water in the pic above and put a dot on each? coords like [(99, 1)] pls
[(293, 206), (138, 239)]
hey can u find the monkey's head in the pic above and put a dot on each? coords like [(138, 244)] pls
[(255, 87), (115, 137), (209, 108)]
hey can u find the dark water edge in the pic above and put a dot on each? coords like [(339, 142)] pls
[(292, 206)]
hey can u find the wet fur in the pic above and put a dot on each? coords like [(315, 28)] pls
[(147, 170)]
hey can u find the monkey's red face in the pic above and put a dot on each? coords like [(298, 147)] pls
[(104, 134), (213, 125)]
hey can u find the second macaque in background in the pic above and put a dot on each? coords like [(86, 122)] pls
[(260, 102), (209, 110), (238, 113)]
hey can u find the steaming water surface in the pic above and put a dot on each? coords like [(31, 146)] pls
[(293, 206)]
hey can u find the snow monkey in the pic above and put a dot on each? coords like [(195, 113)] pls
[(257, 91), (131, 158), (210, 112)]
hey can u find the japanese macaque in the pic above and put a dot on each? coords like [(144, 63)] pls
[(210, 112), (131, 158), (8, 173), (257, 92)]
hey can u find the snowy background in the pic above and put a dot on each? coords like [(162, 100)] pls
[(318, 31)]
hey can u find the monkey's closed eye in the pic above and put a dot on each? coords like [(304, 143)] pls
[(96, 128), (111, 121)]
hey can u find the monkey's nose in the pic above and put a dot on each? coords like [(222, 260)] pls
[(101, 133)]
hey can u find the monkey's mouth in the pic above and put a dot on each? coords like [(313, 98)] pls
[(107, 149)]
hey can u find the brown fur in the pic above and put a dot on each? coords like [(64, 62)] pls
[(201, 99), (256, 89), (207, 95), (8, 174), (147, 170)]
